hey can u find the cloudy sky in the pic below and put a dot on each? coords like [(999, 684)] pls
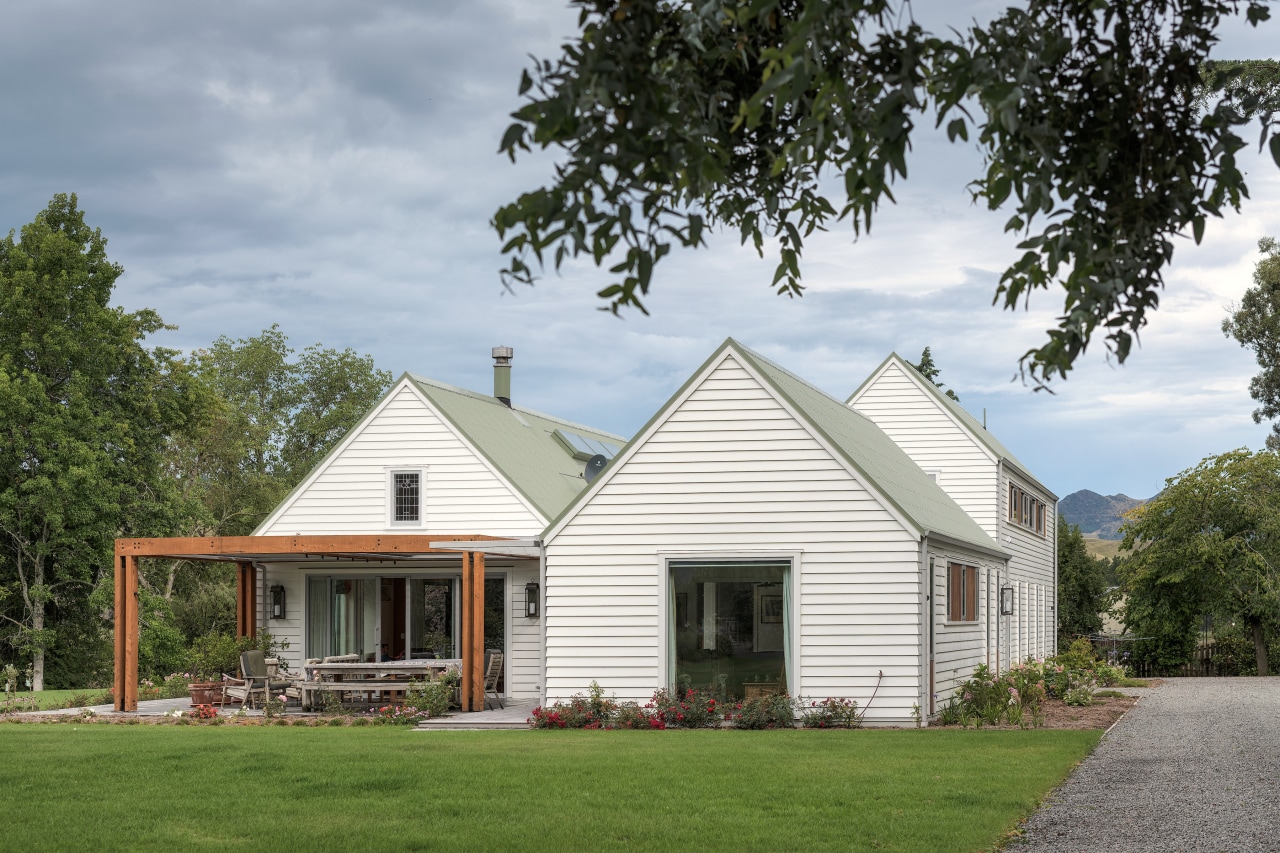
[(331, 167)]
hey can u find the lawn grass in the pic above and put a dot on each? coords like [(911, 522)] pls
[(51, 699), (94, 786)]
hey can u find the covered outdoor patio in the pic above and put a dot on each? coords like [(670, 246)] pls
[(249, 552)]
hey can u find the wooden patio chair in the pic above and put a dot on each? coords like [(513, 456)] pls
[(256, 680), (492, 672)]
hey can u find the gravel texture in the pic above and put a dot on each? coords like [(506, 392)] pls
[(1194, 766)]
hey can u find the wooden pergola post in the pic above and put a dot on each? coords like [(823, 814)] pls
[(126, 618), (477, 632), (472, 631), (246, 600)]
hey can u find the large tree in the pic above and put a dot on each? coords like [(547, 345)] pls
[(1208, 543), (270, 415), (1255, 324), (1098, 135), (85, 411), (1082, 586)]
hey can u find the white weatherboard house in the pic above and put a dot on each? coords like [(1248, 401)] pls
[(759, 533), (998, 492), (756, 535)]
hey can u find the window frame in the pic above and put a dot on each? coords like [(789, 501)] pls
[(1026, 510), (963, 600), (392, 521)]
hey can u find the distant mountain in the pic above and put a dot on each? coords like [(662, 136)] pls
[(1095, 514)]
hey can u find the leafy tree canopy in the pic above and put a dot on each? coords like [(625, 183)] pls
[(675, 117), (1255, 324), (85, 413), (1208, 543)]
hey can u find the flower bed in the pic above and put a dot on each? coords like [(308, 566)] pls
[(695, 709)]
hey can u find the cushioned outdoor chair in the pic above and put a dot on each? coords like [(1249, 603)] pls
[(256, 680)]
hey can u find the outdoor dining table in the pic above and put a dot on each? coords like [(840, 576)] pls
[(370, 676)]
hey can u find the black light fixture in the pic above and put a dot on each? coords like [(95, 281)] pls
[(277, 602), (531, 599), (1006, 601)]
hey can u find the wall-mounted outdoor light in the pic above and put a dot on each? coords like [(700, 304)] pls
[(1006, 601), (531, 599), (277, 602)]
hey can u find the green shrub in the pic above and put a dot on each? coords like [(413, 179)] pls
[(629, 715), (774, 711), (432, 698), (830, 714), (690, 709), (1013, 697)]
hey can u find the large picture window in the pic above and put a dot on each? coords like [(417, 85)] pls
[(962, 593), (730, 626)]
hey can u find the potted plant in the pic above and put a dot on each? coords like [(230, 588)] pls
[(210, 657)]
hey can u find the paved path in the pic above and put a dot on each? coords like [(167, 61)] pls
[(1194, 767)]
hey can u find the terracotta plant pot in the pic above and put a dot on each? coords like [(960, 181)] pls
[(205, 692)]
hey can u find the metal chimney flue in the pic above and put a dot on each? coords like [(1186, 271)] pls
[(502, 374)]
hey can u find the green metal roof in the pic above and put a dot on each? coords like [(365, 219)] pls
[(519, 443), (863, 445), (972, 424)]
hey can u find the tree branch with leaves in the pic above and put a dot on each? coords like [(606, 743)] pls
[(1101, 137)]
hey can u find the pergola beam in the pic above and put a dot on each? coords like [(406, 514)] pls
[(388, 547)]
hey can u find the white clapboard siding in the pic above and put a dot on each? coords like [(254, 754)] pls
[(1032, 563), (934, 440), (289, 630), (959, 647), (524, 636), (348, 492), (731, 471)]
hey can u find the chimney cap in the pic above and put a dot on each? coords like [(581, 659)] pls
[(503, 355)]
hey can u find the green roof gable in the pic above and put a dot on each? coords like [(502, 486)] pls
[(519, 443)]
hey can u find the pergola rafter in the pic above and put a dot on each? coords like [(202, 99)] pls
[(247, 551)]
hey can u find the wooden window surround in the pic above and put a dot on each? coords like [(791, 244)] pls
[(962, 593), (1026, 510)]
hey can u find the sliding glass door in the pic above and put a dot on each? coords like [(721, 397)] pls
[(396, 618)]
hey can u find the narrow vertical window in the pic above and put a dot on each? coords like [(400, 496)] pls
[(962, 593), (405, 498)]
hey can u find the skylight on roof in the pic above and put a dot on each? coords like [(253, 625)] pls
[(582, 447)]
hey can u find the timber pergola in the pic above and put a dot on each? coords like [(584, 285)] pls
[(247, 551)]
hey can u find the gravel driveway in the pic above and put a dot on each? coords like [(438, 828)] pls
[(1195, 766)]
